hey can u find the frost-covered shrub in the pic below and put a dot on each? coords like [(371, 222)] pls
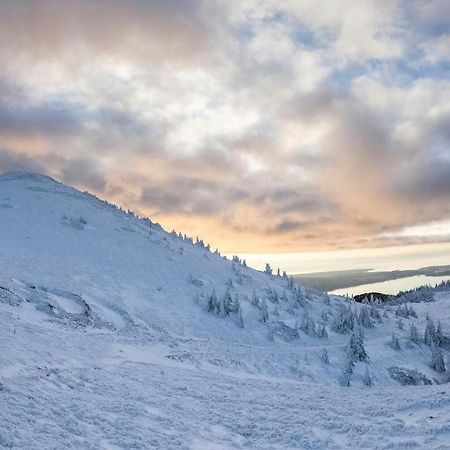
[(408, 377)]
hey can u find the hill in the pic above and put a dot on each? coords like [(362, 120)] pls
[(117, 334)]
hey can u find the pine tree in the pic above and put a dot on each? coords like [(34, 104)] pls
[(268, 269), (264, 312), (437, 360), (447, 371), (366, 378), (322, 332), (439, 338), (430, 332), (395, 343), (355, 347), (239, 319), (275, 311), (212, 302), (347, 370), (255, 300), (414, 334)]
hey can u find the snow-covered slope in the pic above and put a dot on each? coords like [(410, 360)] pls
[(109, 341)]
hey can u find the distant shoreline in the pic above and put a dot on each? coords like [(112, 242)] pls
[(341, 279)]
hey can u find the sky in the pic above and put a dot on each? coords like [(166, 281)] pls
[(260, 126)]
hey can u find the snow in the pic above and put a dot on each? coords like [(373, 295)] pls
[(106, 343)]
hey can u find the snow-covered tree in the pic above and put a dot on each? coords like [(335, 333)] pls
[(364, 317), (355, 347), (439, 338), (395, 343), (367, 380), (212, 302), (430, 332), (347, 370), (414, 334), (268, 269), (437, 360), (447, 371), (264, 311), (322, 332), (255, 300), (275, 311), (308, 325)]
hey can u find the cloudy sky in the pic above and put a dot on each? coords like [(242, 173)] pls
[(271, 125)]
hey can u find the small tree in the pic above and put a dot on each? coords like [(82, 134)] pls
[(347, 371), (439, 338), (395, 343), (366, 378), (255, 300), (355, 347), (430, 332), (414, 334), (322, 332), (264, 311), (437, 360), (268, 269), (212, 302)]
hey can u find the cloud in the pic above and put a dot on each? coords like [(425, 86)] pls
[(275, 125)]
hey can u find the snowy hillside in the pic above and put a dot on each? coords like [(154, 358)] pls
[(117, 334)]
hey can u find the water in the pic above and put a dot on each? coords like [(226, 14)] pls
[(392, 286), (379, 259)]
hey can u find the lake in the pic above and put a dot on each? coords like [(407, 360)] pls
[(392, 286)]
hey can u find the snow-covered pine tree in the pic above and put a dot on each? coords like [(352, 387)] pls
[(322, 332), (395, 343), (430, 332), (414, 334), (439, 338), (264, 312), (347, 370), (268, 269), (446, 378), (212, 302), (324, 356), (364, 317), (255, 300), (367, 380), (437, 360), (227, 303), (355, 347)]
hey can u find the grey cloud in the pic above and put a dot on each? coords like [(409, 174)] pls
[(84, 172), (11, 160), (181, 195)]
